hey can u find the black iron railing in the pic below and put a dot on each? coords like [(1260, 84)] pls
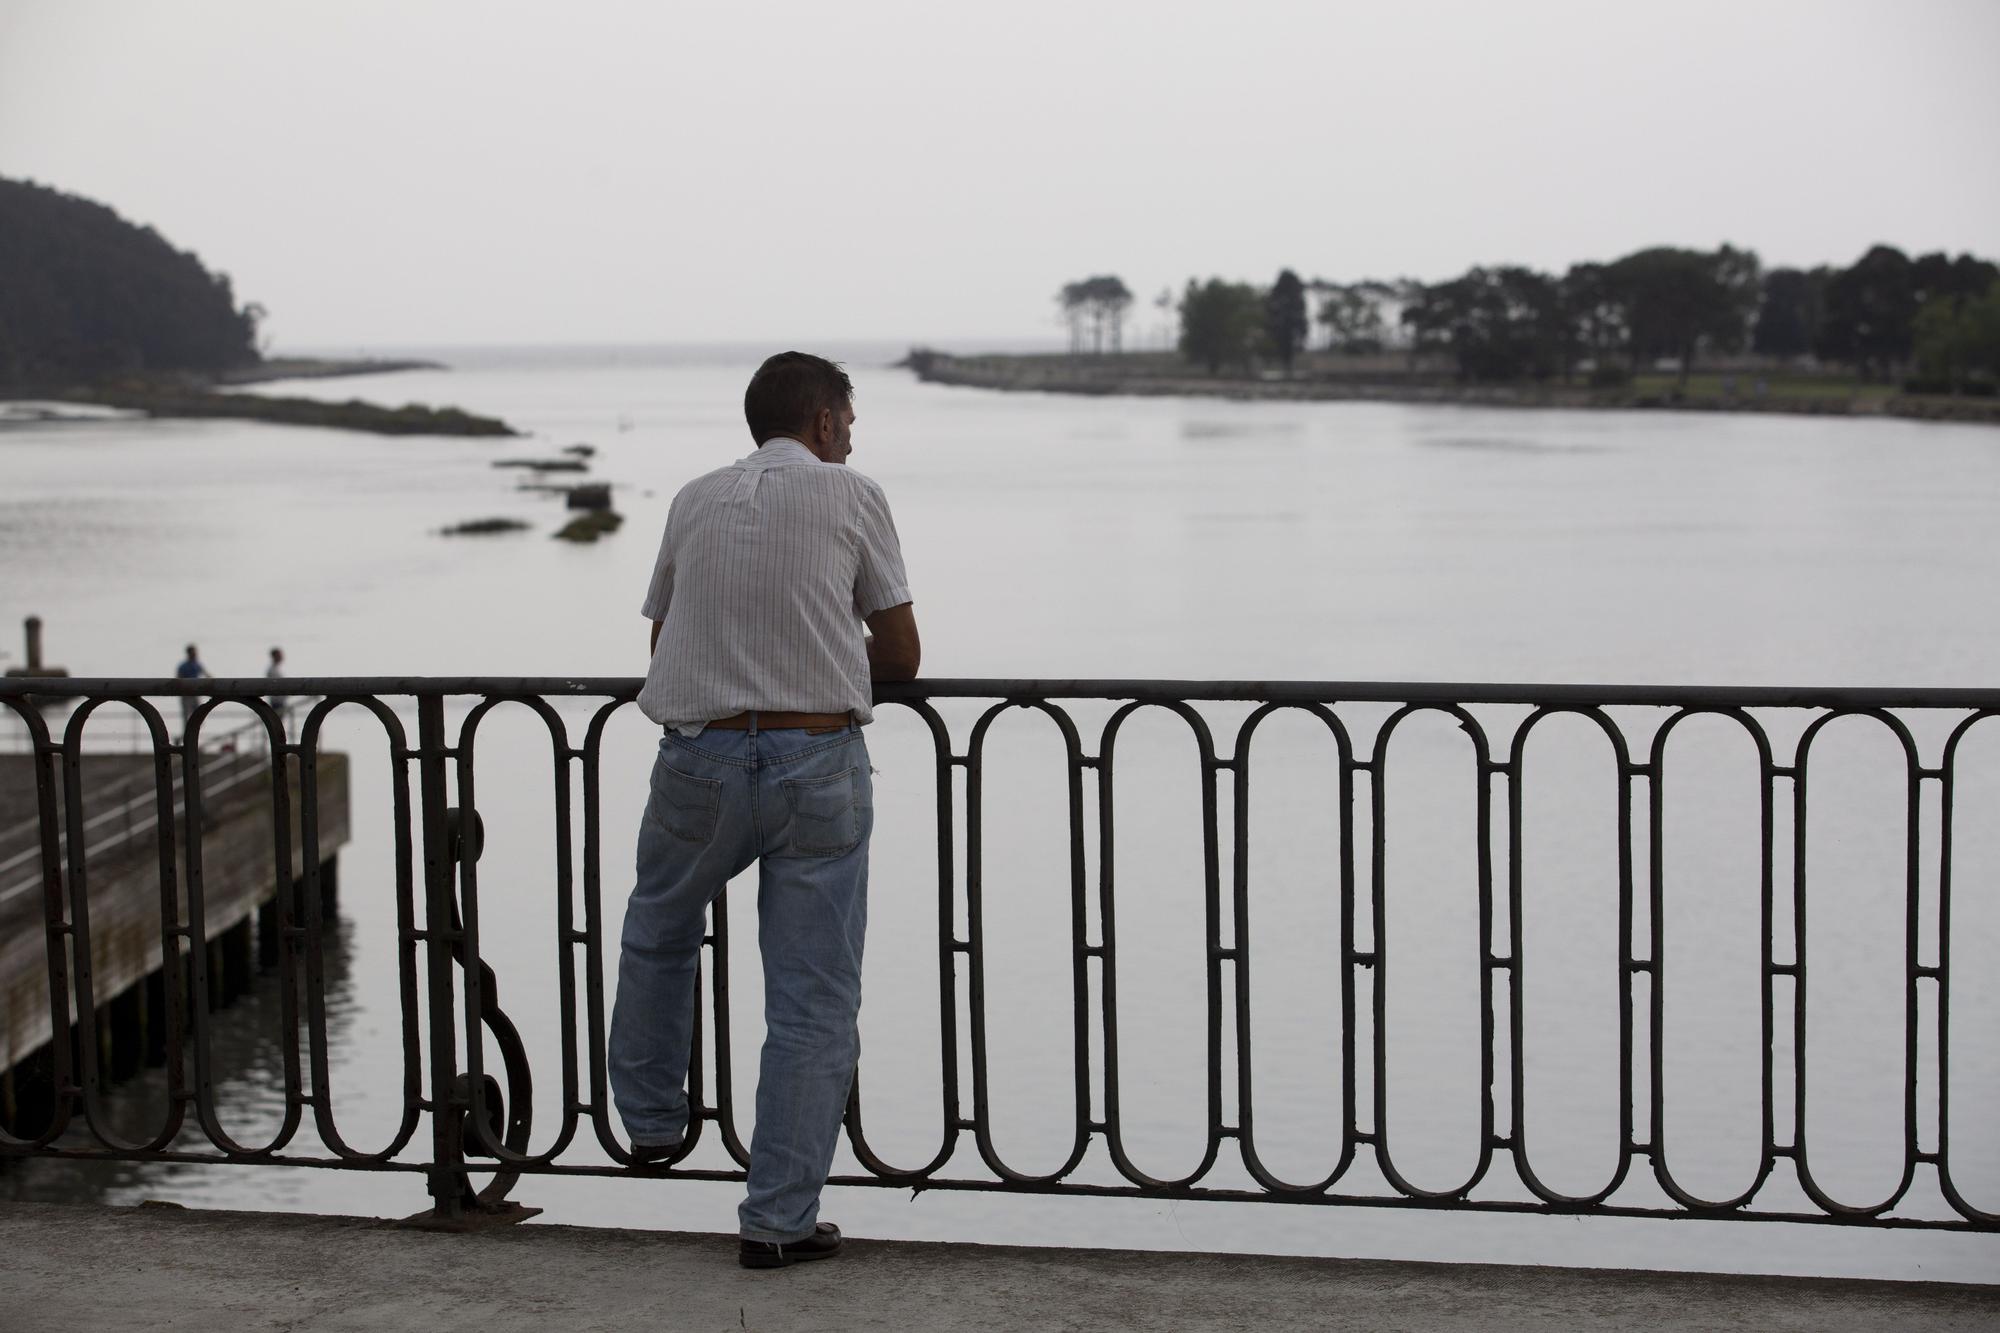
[(467, 1112)]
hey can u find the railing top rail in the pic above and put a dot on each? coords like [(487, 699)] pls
[(1247, 691)]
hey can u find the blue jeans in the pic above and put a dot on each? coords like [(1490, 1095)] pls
[(802, 806)]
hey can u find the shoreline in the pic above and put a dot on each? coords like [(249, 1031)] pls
[(102, 402), (1144, 375), (157, 400), (208, 397)]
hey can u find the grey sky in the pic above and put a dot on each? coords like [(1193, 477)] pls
[(475, 171)]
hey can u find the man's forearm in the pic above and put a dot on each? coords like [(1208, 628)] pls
[(883, 665)]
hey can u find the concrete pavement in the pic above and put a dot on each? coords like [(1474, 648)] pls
[(80, 1269)]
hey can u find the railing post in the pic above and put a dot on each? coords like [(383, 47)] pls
[(449, 836), (446, 1176)]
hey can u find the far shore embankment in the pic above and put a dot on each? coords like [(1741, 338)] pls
[(1390, 380), (319, 368)]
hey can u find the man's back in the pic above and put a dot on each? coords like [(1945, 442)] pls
[(766, 571)]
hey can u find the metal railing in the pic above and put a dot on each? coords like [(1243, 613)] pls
[(465, 1111)]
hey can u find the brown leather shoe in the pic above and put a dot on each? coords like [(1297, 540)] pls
[(824, 1243)]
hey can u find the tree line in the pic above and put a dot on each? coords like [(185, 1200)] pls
[(87, 296), (1932, 322)]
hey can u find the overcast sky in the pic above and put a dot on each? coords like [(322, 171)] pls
[(478, 171)]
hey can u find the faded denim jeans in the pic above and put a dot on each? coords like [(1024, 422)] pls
[(802, 806)]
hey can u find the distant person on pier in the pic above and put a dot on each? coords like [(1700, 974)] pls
[(190, 669), (276, 671), (761, 674)]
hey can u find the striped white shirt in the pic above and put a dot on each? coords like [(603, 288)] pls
[(766, 570)]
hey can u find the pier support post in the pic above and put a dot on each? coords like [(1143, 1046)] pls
[(239, 964), (267, 934), (157, 1019), (218, 982), (28, 1093), (128, 1032)]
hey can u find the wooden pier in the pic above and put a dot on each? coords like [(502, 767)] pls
[(240, 885)]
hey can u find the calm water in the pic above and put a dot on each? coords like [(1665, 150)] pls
[(1061, 537)]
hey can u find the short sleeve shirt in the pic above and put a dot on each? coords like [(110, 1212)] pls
[(766, 571)]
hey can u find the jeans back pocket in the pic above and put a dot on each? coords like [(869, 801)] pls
[(826, 814), (684, 805)]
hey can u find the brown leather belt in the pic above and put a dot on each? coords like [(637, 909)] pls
[(785, 721)]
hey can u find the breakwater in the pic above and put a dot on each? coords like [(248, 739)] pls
[(1166, 375)]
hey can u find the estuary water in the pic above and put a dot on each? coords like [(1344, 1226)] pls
[(1060, 537)]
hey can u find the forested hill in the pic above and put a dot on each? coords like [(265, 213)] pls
[(86, 295)]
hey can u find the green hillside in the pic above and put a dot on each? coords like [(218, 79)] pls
[(86, 295)]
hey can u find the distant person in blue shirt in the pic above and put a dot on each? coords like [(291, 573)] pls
[(190, 669)]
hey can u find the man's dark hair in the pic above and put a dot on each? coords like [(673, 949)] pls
[(787, 392)]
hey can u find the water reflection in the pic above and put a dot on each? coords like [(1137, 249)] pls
[(1494, 444), (1240, 430)]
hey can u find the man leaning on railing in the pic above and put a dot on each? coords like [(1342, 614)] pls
[(761, 679)]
